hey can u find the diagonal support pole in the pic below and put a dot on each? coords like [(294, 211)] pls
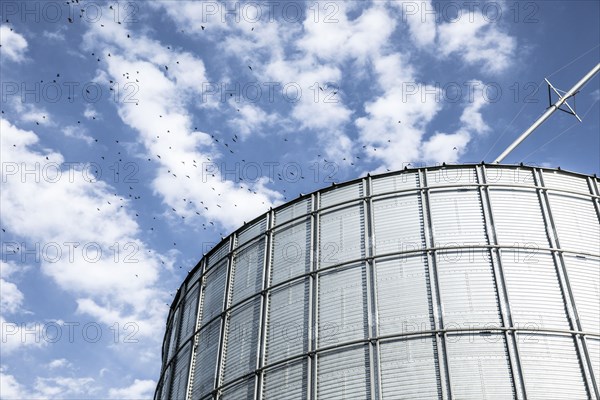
[(561, 100)]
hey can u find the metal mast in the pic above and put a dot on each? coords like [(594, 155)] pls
[(562, 99)]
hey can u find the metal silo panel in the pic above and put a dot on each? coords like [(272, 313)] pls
[(214, 292), (287, 382), (243, 390), (533, 288), (341, 236), (576, 223), (252, 231), (174, 333), (344, 374), (509, 176), (479, 366), (395, 183), (404, 302), (339, 195), (457, 218), (291, 251), (551, 367), (563, 181), (593, 345), (452, 292), (190, 313), (287, 332), (409, 369), (248, 266), (207, 352), (522, 224), (398, 224), (181, 372), (451, 176), (195, 275), (584, 277), (292, 211), (165, 345), (468, 291), (165, 392), (217, 255), (342, 306), (242, 340)]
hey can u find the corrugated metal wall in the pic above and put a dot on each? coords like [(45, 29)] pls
[(463, 282)]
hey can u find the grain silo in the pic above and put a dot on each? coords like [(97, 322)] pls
[(464, 281)]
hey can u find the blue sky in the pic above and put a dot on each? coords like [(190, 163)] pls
[(134, 137)]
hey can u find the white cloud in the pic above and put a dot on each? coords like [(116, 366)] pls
[(10, 388), (30, 112), (448, 147), (61, 386), (162, 119), (59, 363), (471, 116), (421, 19), (77, 132), (477, 41), (444, 147), (395, 121), (17, 336), (76, 208), (57, 35), (13, 44), (355, 39), (47, 387), (139, 389), (90, 113), (12, 297), (251, 119)]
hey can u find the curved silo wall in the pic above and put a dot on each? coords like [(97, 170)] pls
[(469, 281)]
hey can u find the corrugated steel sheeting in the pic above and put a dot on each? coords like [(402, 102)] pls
[(206, 353), (398, 224), (342, 236), (404, 296), (291, 254), (551, 367), (288, 321), (286, 382), (479, 367), (342, 306), (478, 282), (410, 370), (344, 374)]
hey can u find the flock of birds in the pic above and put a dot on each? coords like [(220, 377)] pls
[(112, 150)]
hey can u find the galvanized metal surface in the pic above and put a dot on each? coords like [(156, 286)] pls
[(477, 282)]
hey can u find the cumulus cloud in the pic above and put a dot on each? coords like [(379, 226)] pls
[(12, 298), (139, 389), (448, 147), (162, 119), (477, 41), (20, 336), (395, 121), (421, 20), (77, 132), (84, 219), (59, 363), (13, 44), (46, 387)]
